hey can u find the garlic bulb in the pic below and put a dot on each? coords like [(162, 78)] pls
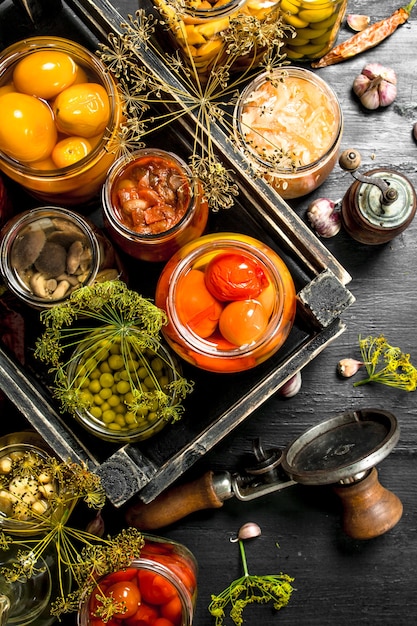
[(324, 217), (376, 86)]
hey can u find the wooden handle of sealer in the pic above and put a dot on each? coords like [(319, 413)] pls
[(175, 503)]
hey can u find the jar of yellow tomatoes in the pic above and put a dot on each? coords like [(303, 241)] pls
[(316, 24), (60, 113), (288, 125), (199, 29), (230, 302), (153, 204), (48, 252)]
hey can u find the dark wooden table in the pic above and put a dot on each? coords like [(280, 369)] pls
[(338, 580)]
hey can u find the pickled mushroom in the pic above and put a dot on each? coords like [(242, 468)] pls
[(51, 260), (27, 249)]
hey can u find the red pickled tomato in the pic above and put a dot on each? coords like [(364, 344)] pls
[(195, 305), (144, 616), (123, 574), (154, 588), (128, 593), (172, 610), (243, 321), (232, 276), (162, 621)]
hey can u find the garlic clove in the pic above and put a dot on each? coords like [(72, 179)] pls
[(250, 530), (361, 84), (291, 387), (348, 367), (357, 22), (415, 131), (387, 93), (376, 70), (324, 218)]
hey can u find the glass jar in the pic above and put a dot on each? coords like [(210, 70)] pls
[(316, 24), (289, 128), (21, 505), (230, 302), (198, 31), (165, 575), (126, 368), (78, 182), (152, 205), (47, 252)]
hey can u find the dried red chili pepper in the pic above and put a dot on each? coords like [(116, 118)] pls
[(367, 38)]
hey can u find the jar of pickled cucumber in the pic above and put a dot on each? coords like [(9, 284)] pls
[(198, 30), (316, 24)]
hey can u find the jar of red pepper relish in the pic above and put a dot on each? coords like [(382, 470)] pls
[(230, 302), (158, 587), (153, 205)]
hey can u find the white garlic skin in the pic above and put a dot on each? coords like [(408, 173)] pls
[(358, 22), (376, 86), (324, 218), (348, 367), (292, 386)]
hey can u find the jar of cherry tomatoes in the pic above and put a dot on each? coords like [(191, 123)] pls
[(48, 252), (230, 302), (159, 587), (61, 112), (153, 205)]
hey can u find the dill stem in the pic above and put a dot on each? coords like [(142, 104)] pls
[(243, 557)]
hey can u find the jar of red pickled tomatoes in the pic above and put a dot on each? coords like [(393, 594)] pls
[(158, 587), (153, 205), (289, 126), (230, 302), (61, 113)]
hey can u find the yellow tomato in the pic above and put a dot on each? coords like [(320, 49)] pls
[(44, 73), (243, 322), (27, 129), (70, 150), (9, 88), (82, 110)]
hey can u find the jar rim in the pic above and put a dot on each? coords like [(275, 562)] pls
[(226, 241), (308, 76)]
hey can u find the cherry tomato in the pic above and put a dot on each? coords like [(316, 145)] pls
[(162, 621), (178, 566), (267, 298), (145, 615), (196, 307), (82, 110), (154, 588), (44, 73), (99, 622), (128, 593), (233, 276), (124, 574), (70, 150), (172, 610), (243, 322)]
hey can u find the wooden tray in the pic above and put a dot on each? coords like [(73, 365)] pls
[(219, 402)]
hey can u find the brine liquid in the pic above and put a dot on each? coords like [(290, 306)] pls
[(289, 124)]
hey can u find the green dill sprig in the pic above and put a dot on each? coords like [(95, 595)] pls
[(207, 101), (386, 364), (126, 318), (250, 589)]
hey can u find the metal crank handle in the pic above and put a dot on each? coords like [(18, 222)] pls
[(207, 492)]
